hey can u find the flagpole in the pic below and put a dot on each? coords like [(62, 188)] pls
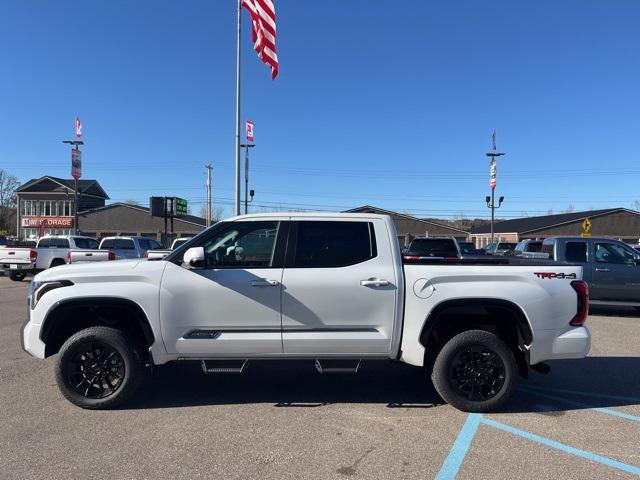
[(238, 112)]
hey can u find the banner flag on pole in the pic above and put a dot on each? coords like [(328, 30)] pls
[(263, 21), (78, 128), (493, 167), (249, 126)]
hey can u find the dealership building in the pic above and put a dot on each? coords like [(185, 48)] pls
[(46, 206)]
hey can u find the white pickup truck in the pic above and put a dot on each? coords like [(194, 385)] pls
[(160, 254), (330, 288), (50, 251)]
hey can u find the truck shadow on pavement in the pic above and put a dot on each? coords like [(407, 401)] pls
[(594, 382)]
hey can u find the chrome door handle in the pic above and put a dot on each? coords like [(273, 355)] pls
[(602, 270), (264, 283), (374, 282)]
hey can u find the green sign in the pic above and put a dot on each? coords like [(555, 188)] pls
[(181, 207)]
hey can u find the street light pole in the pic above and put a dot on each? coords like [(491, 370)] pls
[(76, 146), (493, 155)]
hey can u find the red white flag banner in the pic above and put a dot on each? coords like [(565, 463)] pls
[(263, 23), (249, 126), (78, 128), (76, 163), (493, 170)]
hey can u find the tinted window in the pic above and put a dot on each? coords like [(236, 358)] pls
[(155, 245), (124, 244), (44, 243), (86, 243), (107, 244), (144, 244), (180, 241), (242, 245), (333, 244), (576, 252), (547, 247), (61, 242), (534, 247), (433, 247)]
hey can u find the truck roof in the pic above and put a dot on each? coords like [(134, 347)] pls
[(305, 215)]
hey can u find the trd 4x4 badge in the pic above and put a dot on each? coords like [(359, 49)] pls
[(568, 276)]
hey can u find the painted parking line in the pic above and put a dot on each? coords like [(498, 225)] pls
[(459, 450), (594, 457), (607, 411), (635, 400)]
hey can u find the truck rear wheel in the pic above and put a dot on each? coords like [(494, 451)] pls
[(475, 372), (17, 276), (99, 368)]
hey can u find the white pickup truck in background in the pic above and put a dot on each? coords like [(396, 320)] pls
[(115, 248), (50, 251), (328, 288), (160, 254)]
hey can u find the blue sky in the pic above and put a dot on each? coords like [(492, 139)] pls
[(377, 102)]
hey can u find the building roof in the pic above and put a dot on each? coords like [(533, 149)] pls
[(371, 209), (185, 218), (532, 224), (85, 187)]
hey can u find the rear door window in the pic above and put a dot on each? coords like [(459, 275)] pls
[(86, 243), (326, 244), (44, 243), (576, 252), (62, 242)]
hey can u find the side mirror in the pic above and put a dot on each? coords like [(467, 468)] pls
[(194, 257)]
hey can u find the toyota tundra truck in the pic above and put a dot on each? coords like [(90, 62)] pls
[(328, 288)]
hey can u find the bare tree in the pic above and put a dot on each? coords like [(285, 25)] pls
[(636, 205), (217, 213), (8, 186), (570, 209)]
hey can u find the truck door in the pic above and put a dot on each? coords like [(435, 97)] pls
[(231, 307), (616, 276), (339, 288)]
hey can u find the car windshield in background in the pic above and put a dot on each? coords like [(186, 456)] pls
[(433, 247)]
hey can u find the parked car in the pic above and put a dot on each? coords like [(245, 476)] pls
[(50, 251), (328, 288), (3, 241), (611, 268), (528, 249), (500, 248), (160, 254), (422, 248), (468, 248), (129, 247)]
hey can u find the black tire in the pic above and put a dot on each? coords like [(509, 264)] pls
[(17, 276), (103, 353), (475, 372)]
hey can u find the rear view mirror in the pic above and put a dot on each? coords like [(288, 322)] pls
[(194, 257)]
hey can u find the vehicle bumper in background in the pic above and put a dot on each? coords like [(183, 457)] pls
[(560, 344)]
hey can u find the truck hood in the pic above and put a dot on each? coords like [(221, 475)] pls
[(96, 270)]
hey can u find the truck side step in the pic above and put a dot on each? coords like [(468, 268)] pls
[(224, 366), (337, 366)]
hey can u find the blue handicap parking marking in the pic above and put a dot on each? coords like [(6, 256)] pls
[(607, 411), (459, 450)]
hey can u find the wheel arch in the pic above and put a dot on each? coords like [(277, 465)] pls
[(72, 315), (499, 316)]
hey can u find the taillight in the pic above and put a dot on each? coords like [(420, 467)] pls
[(69, 256), (146, 254), (33, 255), (582, 289), (111, 256)]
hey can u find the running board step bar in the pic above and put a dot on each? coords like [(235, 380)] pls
[(224, 366), (337, 366)]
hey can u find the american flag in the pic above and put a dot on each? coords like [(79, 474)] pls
[(263, 19)]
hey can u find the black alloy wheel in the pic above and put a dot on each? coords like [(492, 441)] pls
[(100, 368), (477, 373), (17, 276), (96, 370)]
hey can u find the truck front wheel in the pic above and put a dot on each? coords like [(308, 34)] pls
[(475, 372), (99, 368)]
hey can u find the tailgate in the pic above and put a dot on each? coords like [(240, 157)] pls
[(15, 255), (78, 256)]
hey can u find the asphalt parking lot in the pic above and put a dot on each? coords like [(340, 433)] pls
[(581, 421)]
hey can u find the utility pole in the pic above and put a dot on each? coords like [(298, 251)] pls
[(237, 199), (208, 212), (246, 147), (493, 154)]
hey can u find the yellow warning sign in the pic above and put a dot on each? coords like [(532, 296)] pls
[(586, 228)]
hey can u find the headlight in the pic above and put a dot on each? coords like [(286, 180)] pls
[(38, 289)]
